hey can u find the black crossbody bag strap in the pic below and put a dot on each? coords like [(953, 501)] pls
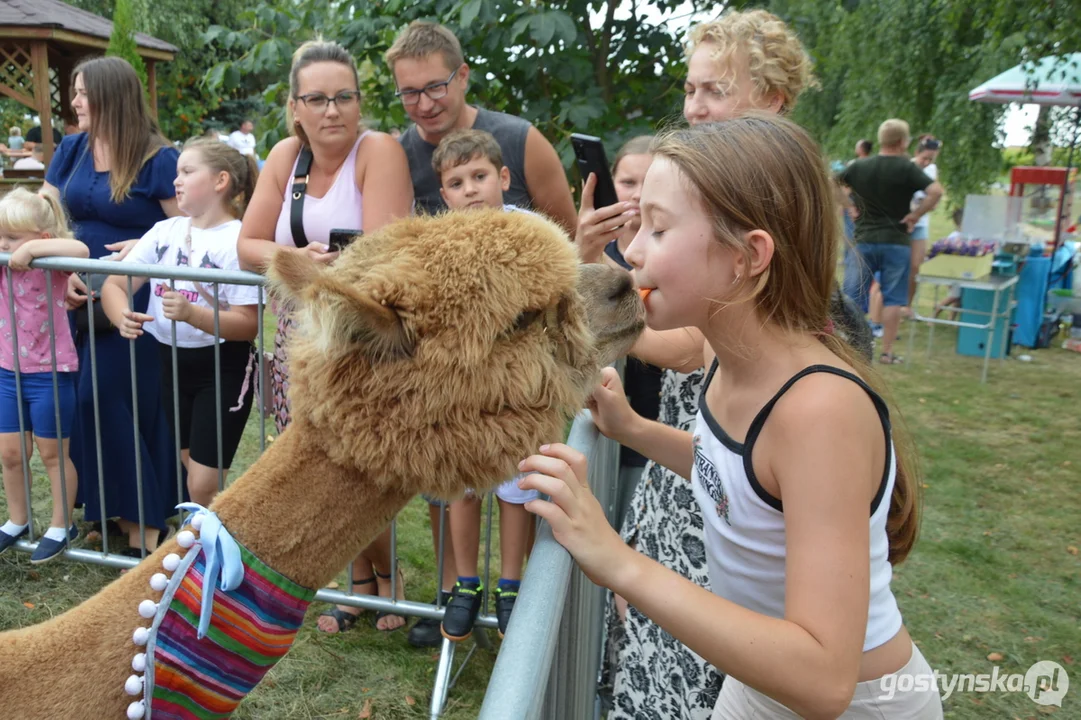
[(300, 188)]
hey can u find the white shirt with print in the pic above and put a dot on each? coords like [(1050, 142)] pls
[(213, 247)]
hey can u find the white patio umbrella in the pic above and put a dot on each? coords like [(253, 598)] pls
[(1053, 80)]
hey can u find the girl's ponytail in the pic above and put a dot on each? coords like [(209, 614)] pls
[(41, 212)]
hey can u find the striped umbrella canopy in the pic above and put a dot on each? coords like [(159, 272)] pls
[(1053, 80)]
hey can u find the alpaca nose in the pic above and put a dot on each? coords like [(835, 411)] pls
[(624, 285)]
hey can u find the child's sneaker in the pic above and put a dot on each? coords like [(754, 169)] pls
[(462, 610), (48, 548), (504, 605)]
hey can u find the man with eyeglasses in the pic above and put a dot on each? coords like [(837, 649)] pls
[(432, 76)]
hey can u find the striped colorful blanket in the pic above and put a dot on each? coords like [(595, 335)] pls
[(252, 627)]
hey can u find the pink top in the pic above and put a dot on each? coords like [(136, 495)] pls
[(31, 313), (340, 208)]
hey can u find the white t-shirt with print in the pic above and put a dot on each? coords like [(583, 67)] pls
[(214, 247)]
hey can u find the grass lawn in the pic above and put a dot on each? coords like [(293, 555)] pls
[(994, 579)]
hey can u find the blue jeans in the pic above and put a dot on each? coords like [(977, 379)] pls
[(891, 262)]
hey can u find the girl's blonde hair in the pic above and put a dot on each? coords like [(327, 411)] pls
[(774, 178), (119, 117), (311, 52), (638, 145), (776, 60), (22, 211), (242, 170)]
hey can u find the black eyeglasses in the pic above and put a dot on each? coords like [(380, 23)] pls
[(434, 91), (318, 102)]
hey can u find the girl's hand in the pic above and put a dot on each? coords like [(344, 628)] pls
[(176, 307), (21, 258), (320, 253), (599, 226), (76, 295), (120, 249), (132, 326), (577, 519), (612, 412)]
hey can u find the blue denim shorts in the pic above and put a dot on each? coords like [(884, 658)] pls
[(920, 232), (38, 410), (891, 262)]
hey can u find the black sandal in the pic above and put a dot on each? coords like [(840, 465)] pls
[(890, 359), (383, 613), (345, 619)]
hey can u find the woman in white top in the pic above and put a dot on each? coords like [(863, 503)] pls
[(927, 148), (807, 498)]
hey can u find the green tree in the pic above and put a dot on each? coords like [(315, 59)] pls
[(122, 41), (565, 65)]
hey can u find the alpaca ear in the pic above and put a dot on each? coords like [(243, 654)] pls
[(346, 314), (290, 274)]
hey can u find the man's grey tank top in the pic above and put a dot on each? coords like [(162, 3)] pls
[(509, 131)]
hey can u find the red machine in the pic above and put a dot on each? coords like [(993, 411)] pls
[(1061, 178)]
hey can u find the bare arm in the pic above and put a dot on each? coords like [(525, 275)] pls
[(54, 247), (679, 350), (933, 194), (114, 298), (547, 183), (615, 418), (255, 246), (383, 181)]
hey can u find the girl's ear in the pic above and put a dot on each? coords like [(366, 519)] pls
[(221, 183), (761, 246), (46, 236)]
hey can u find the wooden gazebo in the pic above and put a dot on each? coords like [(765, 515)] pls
[(42, 40)]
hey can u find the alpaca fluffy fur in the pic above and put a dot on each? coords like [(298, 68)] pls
[(430, 357)]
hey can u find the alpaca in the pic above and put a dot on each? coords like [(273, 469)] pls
[(430, 357)]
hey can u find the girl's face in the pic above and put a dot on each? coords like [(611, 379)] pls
[(198, 187), (925, 158), (12, 241), (675, 253), (713, 93), (628, 178), (81, 104), (327, 121)]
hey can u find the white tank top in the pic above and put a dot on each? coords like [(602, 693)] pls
[(744, 524)]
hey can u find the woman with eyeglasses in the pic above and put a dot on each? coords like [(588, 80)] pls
[(357, 179)]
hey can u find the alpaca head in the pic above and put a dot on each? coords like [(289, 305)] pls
[(436, 353)]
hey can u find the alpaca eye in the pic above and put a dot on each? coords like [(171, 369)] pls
[(524, 320)]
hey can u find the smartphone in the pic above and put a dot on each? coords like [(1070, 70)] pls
[(589, 152), (341, 238)]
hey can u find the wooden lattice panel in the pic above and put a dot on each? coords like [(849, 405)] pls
[(54, 92), (17, 69)]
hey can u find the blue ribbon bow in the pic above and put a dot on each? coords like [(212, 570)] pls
[(222, 558)]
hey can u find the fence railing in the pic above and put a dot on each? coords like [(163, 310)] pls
[(549, 659)]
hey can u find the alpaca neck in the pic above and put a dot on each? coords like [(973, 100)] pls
[(303, 515)]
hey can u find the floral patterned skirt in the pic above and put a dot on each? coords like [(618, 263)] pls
[(648, 673)]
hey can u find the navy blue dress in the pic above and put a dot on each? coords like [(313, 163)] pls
[(98, 221)]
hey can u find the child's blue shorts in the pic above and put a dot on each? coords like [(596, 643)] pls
[(39, 410)]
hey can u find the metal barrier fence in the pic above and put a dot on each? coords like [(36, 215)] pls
[(558, 609)]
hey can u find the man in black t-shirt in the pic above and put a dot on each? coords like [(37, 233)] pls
[(882, 187)]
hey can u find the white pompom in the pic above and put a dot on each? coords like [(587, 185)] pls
[(141, 636), (158, 581), (197, 521), (171, 562), (133, 685), (136, 710), (185, 538), (148, 609), (138, 663)]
